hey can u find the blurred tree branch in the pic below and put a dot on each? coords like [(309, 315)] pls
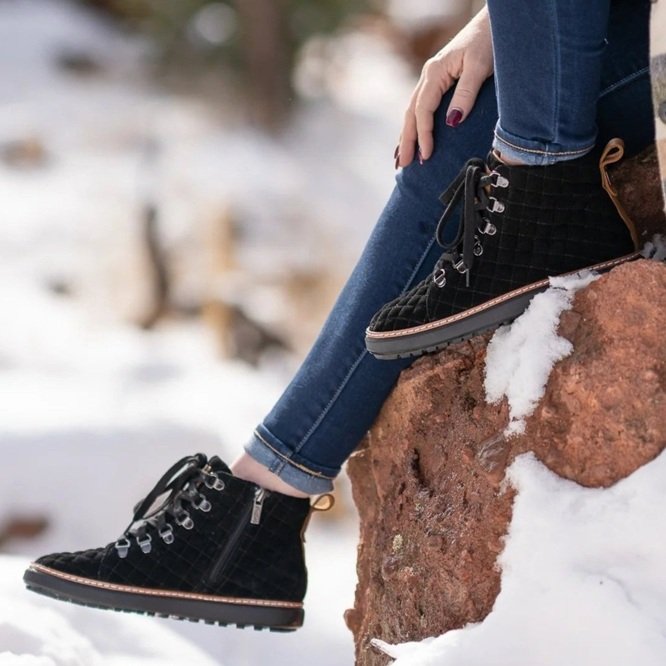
[(266, 45), (256, 40)]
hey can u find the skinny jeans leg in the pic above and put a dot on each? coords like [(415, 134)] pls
[(336, 394), (549, 61)]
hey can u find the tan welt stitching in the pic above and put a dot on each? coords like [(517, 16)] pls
[(162, 593), (441, 323)]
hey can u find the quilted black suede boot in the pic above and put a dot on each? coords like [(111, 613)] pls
[(520, 225), (218, 549)]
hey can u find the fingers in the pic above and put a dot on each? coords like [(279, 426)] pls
[(416, 139), (407, 144), (467, 58), (465, 94), (429, 98), (417, 130)]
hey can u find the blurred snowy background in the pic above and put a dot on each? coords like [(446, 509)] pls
[(181, 183)]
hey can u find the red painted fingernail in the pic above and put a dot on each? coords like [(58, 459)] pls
[(453, 117)]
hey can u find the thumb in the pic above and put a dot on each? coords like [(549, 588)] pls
[(464, 95)]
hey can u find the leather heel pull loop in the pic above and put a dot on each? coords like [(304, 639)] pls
[(612, 153), (323, 502)]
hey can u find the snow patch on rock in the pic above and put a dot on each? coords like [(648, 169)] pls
[(655, 248), (583, 579), (521, 355)]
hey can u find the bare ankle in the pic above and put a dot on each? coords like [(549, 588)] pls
[(509, 161), (247, 468)]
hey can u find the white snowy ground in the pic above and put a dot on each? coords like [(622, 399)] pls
[(583, 576), (307, 199), (46, 634), (90, 420), (93, 410)]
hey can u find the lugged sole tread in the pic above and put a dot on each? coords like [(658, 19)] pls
[(61, 597), (437, 348), (54, 594)]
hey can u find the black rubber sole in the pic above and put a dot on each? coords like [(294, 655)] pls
[(437, 335), (243, 613)]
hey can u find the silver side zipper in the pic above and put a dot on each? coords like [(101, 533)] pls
[(253, 512), (257, 507)]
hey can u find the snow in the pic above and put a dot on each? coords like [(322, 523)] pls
[(92, 416), (42, 632), (583, 579), (422, 14), (521, 355), (656, 248), (94, 409), (114, 139)]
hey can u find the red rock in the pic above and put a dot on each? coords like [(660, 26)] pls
[(427, 480)]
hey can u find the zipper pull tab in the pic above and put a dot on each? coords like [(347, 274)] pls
[(257, 507)]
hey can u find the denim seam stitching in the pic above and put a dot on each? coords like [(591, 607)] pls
[(558, 76), (364, 353), (627, 79), (290, 461), (544, 152), (331, 402)]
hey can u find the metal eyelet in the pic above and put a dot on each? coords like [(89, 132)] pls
[(489, 230), (214, 482), (478, 248), (460, 266), (202, 504), (498, 206), (185, 521), (439, 277), (122, 546), (166, 533), (500, 181), (145, 543)]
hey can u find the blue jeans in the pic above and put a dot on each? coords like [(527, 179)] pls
[(338, 391), (549, 60)]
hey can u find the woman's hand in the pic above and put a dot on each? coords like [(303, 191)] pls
[(468, 59)]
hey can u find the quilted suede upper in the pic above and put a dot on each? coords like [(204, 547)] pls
[(267, 561), (84, 563), (556, 219)]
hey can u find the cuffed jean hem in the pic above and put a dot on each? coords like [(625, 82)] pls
[(270, 452), (535, 153)]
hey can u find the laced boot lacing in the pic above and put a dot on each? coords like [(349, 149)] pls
[(182, 482), (473, 185)]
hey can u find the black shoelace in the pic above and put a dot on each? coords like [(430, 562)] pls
[(181, 484), (471, 185)]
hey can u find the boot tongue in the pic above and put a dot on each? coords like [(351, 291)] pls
[(218, 465)]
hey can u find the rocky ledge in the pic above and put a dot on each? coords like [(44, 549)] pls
[(427, 480)]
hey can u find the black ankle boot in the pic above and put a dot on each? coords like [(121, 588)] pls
[(218, 549), (519, 226)]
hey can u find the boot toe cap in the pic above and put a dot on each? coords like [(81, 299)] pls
[(85, 563), (406, 311)]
